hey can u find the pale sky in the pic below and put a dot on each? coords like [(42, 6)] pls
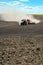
[(26, 6)]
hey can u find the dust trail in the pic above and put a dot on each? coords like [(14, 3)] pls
[(17, 16)]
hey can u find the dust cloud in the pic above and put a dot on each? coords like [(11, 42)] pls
[(17, 16)]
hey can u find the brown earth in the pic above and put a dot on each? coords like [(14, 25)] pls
[(21, 45), (14, 29), (21, 50)]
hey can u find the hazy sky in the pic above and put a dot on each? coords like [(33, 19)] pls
[(26, 6)]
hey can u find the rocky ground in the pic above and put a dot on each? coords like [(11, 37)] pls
[(21, 45), (21, 50)]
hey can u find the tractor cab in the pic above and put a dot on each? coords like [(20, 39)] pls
[(24, 22)]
